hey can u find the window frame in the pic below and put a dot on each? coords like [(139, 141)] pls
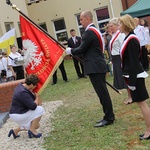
[(59, 31), (79, 26), (104, 20), (8, 23), (43, 23)]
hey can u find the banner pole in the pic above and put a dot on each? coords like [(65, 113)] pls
[(16, 8)]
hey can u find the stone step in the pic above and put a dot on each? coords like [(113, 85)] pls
[(3, 118)]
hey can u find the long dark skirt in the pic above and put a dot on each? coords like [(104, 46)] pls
[(119, 82)]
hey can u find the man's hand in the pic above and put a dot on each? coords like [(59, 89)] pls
[(68, 51)]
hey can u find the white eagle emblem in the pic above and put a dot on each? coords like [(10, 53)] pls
[(30, 54)]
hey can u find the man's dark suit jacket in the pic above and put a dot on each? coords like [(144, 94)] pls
[(93, 57), (72, 44)]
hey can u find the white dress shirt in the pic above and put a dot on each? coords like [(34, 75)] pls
[(141, 34), (74, 39)]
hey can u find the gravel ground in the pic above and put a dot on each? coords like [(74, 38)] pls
[(23, 142)]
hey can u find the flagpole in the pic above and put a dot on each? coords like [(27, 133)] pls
[(16, 8), (36, 25)]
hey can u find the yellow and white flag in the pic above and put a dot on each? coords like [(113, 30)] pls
[(7, 39)]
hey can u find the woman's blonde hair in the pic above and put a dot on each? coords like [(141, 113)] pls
[(128, 22), (114, 21)]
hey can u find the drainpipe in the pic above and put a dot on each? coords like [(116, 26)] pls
[(112, 10)]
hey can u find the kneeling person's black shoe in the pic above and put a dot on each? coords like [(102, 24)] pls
[(103, 123)]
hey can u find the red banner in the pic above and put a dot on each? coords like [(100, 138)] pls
[(42, 55)]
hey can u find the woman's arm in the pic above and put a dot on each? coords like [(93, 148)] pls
[(12, 70), (38, 100)]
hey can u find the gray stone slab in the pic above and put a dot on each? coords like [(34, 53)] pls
[(3, 117)]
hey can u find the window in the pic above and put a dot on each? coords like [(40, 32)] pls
[(60, 30), (43, 25), (81, 29), (8, 26), (59, 25), (102, 18), (78, 19), (62, 36), (33, 1)]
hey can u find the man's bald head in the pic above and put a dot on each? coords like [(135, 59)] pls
[(86, 18), (87, 14)]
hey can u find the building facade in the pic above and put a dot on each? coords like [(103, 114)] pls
[(9, 18), (61, 16), (58, 17)]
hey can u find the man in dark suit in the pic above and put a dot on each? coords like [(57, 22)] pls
[(63, 72), (74, 42), (92, 47)]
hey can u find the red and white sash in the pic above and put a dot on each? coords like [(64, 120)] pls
[(113, 39), (132, 36), (99, 35)]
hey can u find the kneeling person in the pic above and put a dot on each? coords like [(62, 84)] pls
[(25, 109)]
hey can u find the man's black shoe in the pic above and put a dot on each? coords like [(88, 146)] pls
[(104, 123), (98, 121), (111, 119), (53, 83), (66, 80), (85, 76)]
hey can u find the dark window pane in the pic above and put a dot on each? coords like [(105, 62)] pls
[(102, 26), (81, 31), (8, 27), (62, 36), (59, 25), (102, 14), (78, 19), (43, 26)]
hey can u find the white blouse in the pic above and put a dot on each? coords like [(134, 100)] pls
[(117, 43), (13, 56), (148, 34)]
